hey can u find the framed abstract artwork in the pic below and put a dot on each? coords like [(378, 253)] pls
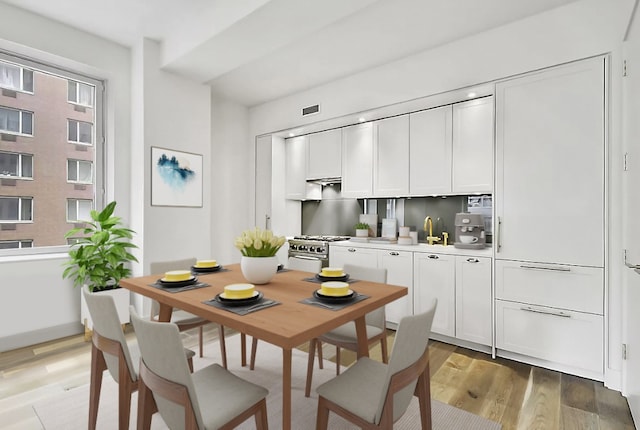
[(176, 178)]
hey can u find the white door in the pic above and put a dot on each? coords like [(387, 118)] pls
[(263, 182), (391, 157), (357, 161), (631, 182)]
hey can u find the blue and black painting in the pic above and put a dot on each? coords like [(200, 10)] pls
[(172, 173)]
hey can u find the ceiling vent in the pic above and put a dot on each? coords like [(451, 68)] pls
[(310, 110)]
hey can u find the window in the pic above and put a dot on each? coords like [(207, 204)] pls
[(16, 209), (16, 244), (79, 210), (16, 121), (15, 77), (16, 165), (80, 132), (80, 171), (80, 93)]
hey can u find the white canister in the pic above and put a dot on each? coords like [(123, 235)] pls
[(414, 237), (404, 231)]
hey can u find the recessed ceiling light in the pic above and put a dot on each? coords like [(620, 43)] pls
[(291, 134), (361, 119), (471, 94)]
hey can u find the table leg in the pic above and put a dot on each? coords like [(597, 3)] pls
[(286, 389), (164, 315), (361, 332)]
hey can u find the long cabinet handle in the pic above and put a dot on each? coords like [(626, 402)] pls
[(555, 269), (394, 253), (499, 235), (351, 249), (540, 311)]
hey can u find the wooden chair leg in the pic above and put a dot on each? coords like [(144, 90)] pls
[(190, 364), (423, 391), (312, 353), (243, 349), (383, 348), (262, 422), (223, 346), (146, 407), (337, 360), (320, 359), (98, 366), (322, 419), (126, 386), (200, 339), (254, 347)]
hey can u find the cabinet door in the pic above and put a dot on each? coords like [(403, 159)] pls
[(325, 155), (340, 255), (263, 181), (399, 265), (473, 299), (550, 165), (295, 150), (430, 152), (473, 146), (434, 276), (391, 157), (357, 161)]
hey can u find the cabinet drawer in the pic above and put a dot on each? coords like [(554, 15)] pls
[(566, 337), (560, 286)]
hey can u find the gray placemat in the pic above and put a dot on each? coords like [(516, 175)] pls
[(318, 281), (333, 306), (222, 269), (264, 303), (179, 289)]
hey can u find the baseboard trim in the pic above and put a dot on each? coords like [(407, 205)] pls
[(38, 336)]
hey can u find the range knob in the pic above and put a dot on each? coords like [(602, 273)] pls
[(293, 247), (302, 247), (312, 249), (320, 250)]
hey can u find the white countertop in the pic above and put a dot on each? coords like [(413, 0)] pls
[(420, 247)]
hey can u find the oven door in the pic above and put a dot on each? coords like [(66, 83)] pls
[(324, 260)]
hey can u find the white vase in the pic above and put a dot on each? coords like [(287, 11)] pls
[(259, 270)]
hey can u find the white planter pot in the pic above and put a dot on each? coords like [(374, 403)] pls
[(364, 232), (121, 299), (258, 270)]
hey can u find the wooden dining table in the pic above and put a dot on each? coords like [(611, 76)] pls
[(287, 325)]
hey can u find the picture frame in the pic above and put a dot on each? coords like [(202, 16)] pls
[(176, 178)]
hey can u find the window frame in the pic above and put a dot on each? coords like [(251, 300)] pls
[(19, 241), (78, 122), (22, 71), (78, 85), (19, 167), (77, 221), (19, 221), (20, 122), (77, 181)]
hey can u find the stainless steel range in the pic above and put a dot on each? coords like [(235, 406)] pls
[(313, 247)]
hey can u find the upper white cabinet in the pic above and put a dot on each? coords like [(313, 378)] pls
[(550, 179), (391, 157), (357, 161), (325, 155), (472, 168), (430, 151), (295, 149)]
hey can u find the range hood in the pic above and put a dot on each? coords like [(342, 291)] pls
[(325, 181)]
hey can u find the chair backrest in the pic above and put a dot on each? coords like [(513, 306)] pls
[(304, 264), (375, 318), (163, 353), (107, 324), (411, 341), (160, 267)]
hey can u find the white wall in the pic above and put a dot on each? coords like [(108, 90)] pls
[(575, 31), (37, 303)]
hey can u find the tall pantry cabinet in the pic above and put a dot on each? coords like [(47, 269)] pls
[(550, 216)]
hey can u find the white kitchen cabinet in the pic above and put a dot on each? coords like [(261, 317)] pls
[(472, 146), (295, 149), (264, 165), (430, 151), (391, 157), (339, 256), (399, 265), (324, 157), (550, 178), (434, 277), (473, 299), (357, 161)]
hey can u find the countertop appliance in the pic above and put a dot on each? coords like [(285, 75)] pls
[(313, 247), (469, 231)]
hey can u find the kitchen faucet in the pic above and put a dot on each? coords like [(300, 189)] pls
[(428, 230)]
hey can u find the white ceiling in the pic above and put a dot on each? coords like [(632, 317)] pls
[(253, 51)]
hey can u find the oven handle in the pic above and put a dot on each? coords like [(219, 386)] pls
[(306, 257)]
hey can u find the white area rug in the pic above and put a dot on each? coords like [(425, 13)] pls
[(69, 411)]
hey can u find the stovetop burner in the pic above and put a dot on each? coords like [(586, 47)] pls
[(322, 238)]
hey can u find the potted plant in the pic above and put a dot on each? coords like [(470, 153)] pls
[(100, 257), (362, 229), (259, 247)]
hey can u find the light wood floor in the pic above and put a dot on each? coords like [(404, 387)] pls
[(516, 395)]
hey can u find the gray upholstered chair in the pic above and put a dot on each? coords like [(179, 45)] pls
[(109, 350), (185, 320), (294, 263), (374, 395), (210, 398), (345, 336)]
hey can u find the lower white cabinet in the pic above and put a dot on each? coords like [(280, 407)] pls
[(339, 256), (473, 299), (434, 276), (399, 265)]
